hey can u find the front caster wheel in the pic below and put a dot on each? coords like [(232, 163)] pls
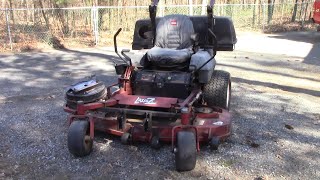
[(125, 138), (155, 142), (79, 140), (186, 151), (214, 143)]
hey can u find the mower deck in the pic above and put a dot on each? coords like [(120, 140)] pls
[(143, 124)]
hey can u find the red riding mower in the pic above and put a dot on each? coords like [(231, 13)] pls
[(172, 95)]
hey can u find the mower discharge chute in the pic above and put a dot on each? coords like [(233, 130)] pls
[(173, 94)]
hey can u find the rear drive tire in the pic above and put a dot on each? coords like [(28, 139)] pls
[(218, 91), (186, 151), (79, 140)]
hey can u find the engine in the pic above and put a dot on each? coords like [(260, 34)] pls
[(162, 83)]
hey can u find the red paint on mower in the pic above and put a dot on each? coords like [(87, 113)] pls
[(205, 125), (316, 12)]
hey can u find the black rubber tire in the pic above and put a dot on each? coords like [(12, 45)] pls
[(79, 141), (218, 91), (125, 138), (155, 142), (214, 143), (186, 151)]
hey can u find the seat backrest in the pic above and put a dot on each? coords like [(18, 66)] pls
[(174, 32)]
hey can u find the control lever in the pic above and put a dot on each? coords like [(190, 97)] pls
[(123, 51), (126, 58)]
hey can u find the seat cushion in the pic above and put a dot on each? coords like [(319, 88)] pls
[(174, 32), (165, 57)]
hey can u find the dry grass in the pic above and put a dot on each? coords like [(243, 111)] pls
[(285, 27)]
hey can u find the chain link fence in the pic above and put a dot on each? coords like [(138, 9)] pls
[(25, 29)]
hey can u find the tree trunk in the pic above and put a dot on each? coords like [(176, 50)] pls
[(44, 15), (294, 14), (254, 13), (12, 15), (61, 17), (3, 4), (259, 12), (270, 11), (301, 10), (101, 13), (229, 8)]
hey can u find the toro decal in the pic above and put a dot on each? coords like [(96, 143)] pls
[(173, 22), (145, 101)]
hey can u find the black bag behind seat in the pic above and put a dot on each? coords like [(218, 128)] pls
[(223, 29)]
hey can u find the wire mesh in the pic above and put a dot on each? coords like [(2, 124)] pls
[(4, 41), (90, 26)]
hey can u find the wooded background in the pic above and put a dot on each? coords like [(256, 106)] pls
[(28, 23)]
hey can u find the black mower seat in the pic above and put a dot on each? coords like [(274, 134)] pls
[(173, 45)]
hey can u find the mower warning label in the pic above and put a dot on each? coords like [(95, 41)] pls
[(145, 101)]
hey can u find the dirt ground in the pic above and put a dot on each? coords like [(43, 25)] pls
[(275, 111)]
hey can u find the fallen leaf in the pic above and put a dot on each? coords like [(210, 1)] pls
[(254, 145), (262, 178), (279, 156), (288, 126)]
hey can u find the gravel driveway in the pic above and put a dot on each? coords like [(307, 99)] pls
[(275, 107)]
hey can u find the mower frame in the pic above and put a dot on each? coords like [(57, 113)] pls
[(205, 125)]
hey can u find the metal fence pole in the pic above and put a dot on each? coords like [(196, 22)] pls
[(97, 26), (263, 16), (190, 8), (8, 26), (95, 23)]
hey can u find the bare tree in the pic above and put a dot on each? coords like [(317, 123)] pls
[(11, 12), (294, 14)]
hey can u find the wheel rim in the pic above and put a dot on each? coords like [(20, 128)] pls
[(228, 96), (87, 140)]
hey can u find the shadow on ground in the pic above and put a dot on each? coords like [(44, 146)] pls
[(32, 96), (313, 56)]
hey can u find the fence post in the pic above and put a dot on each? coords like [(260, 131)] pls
[(203, 7), (161, 7), (190, 8), (263, 16), (95, 23), (8, 26)]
